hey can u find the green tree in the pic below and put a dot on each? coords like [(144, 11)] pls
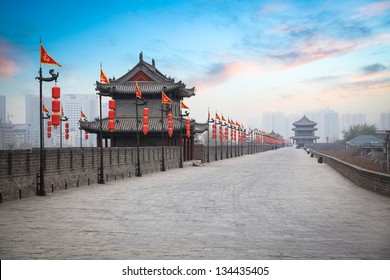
[(358, 129)]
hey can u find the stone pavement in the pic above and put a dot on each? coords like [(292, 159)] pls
[(274, 205)]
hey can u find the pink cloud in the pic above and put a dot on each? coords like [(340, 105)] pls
[(221, 72), (8, 67), (373, 9)]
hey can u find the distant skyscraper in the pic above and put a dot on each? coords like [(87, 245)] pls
[(328, 125), (3, 109), (277, 122), (348, 120), (385, 121)]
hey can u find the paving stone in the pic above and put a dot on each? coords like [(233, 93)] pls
[(274, 205)]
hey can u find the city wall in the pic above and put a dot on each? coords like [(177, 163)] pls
[(375, 181), (73, 167)]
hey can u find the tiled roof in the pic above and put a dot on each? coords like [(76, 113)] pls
[(304, 121), (147, 88), (128, 125)]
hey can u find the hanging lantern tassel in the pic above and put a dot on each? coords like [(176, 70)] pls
[(188, 128), (170, 125)]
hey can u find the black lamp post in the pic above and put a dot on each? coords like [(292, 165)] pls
[(42, 191), (208, 139), (62, 119), (186, 114), (141, 102), (167, 109), (221, 137), (101, 171)]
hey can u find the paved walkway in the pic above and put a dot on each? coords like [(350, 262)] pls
[(274, 205)]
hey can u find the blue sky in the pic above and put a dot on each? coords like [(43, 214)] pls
[(243, 57)]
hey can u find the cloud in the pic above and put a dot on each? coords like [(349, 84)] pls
[(219, 73), (372, 9), (374, 68), (8, 67)]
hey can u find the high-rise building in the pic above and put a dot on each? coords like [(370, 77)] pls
[(277, 122), (384, 121), (348, 120), (2, 109), (328, 125)]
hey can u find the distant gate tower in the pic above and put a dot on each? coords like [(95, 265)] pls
[(304, 132)]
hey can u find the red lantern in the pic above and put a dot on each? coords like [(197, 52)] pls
[(188, 127), (55, 105), (226, 133), (48, 134), (111, 114), (111, 125), (55, 120), (86, 135), (170, 131), (145, 129), (56, 92), (146, 112), (66, 125), (220, 132), (66, 136), (49, 129), (49, 123), (146, 120), (111, 104), (169, 117), (214, 131), (188, 133)]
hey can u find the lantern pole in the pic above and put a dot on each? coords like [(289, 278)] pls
[(181, 136), (101, 173), (41, 191), (208, 138), (221, 137), (162, 131), (142, 102)]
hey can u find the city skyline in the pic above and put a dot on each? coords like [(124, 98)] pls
[(244, 59)]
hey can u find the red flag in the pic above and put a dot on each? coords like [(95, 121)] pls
[(183, 106), (138, 92), (44, 109), (217, 117), (223, 119), (46, 58), (166, 99), (103, 77), (82, 114)]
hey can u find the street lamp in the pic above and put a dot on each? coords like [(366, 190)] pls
[(167, 109), (100, 169), (141, 102), (186, 114), (62, 119), (42, 191)]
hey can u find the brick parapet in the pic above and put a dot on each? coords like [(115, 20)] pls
[(375, 181)]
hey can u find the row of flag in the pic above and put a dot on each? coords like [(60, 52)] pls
[(45, 110)]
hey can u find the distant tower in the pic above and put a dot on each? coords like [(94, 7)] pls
[(304, 132)]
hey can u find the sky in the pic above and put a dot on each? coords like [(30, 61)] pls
[(243, 57)]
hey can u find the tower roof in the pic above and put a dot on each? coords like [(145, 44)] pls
[(305, 121), (150, 81)]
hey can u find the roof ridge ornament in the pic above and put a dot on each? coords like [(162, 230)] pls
[(141, 56)]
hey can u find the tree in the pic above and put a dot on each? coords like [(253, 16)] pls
[(358, 129)]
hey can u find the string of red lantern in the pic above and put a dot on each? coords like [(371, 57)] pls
[(55, 106), (170, 125), (145, 128), (188, 128), (111, 115), (66, 130), (49, 129)]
